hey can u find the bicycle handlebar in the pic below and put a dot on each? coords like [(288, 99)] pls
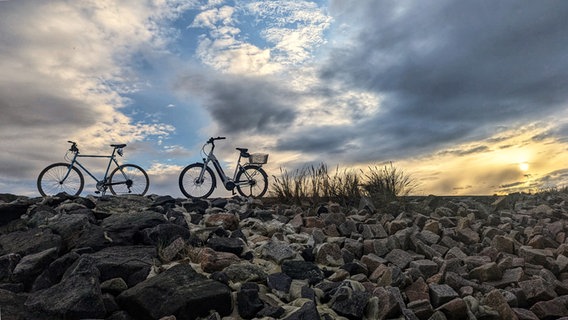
[(73, 146), (211, 140)]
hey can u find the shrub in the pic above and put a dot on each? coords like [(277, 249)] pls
[(314, 184), (384, 184)]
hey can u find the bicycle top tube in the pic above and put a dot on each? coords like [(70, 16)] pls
[(75, 149)]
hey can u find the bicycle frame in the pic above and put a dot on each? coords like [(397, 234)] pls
[(112, 158), (229, 183)]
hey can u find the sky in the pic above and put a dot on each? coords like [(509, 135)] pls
[(467, 97)]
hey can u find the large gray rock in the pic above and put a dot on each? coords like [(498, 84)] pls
[(124, 229), (13, 210), (77, 296), (76, 231), (179, 291), (131, 263), (33, 265), (29, 241)]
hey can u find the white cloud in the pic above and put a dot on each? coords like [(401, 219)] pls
[(293, 29), (64, 67)]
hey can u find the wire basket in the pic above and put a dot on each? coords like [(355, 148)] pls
[(258, 158)]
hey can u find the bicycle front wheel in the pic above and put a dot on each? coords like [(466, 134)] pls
[(60, 177), (129, 179), (192, 186), (252, 181)]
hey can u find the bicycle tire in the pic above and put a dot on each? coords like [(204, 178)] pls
[(189, 185), (130, 173), (49, 180), (257, 181)]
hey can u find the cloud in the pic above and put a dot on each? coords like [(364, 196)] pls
[(65, 67), (240, 104), (291, 29), (448, 71)]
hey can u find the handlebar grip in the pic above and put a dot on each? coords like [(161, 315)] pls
[(213, 139)]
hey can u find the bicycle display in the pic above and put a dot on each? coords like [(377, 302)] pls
[(197, 180), (66, 177)]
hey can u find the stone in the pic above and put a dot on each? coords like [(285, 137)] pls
[(388, 304), (55, 271), (467, 236), (349, 303), (172, 250), (297, 269), (75, 297), (245, 271), (422, 309), (418, 290), (503, 244), (211, 260), (223, 244), (536, 290), (427, 267), (277, 251), (509, 276), (441, 294), (29, 241), (7, 264), (455, 309), (248, 301), (307, 311), (32, 265), (114, 286), (486, 272), (551, 309), (399, 257), (163, 234), (226, 220), (12, 211), (497, 301), (372, 261), (535, 256), (124, 229), (329, 254), (178, 291), (131, 263)]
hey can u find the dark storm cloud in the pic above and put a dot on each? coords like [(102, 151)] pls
[(451, 70), (241, 104), (330, 139)]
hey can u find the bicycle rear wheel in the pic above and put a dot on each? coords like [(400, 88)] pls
[(51, 180), (129, 179), (252, 181), (190, 184)]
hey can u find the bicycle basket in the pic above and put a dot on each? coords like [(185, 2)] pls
[(258, 158)]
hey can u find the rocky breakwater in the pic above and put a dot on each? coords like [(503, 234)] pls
[(157, 257)]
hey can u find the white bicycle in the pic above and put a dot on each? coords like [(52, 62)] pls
[(197, 180)]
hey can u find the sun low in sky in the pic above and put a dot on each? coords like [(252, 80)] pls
[(468, 96)]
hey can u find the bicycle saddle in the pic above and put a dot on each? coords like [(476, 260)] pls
[(242, 149), (118, 145)]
